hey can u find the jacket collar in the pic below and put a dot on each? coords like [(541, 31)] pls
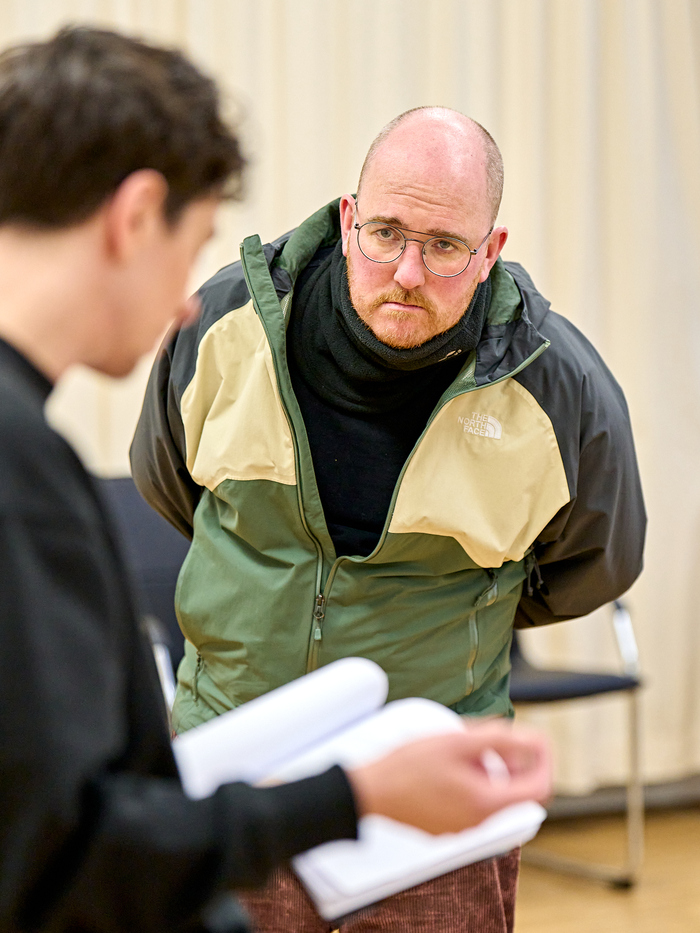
[(22, 371)]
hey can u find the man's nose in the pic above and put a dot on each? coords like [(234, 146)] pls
[(410, 271)]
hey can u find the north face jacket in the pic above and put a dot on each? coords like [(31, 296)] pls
[(520, 502)]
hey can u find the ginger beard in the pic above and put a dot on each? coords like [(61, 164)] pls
[(403, 329)]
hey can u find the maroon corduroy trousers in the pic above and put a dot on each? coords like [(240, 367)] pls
[(479, 898)]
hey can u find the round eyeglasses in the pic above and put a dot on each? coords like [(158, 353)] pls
[(445, 256)]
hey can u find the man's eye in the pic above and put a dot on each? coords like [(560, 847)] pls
[(388, 234), (444, 246)]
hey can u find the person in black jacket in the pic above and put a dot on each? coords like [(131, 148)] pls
[(113, 159)]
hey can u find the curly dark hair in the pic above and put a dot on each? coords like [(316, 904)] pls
[(81, 111)]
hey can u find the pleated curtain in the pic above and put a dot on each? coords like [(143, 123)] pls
[(596, 107)]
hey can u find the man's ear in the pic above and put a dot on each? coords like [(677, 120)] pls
[(135, 212), (347, 219), (497, 241)]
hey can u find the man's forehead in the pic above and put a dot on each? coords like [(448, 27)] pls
[(439, 172), (434, 141), (436, 208)]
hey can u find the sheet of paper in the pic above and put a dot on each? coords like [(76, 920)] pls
[(398, 722), (389, 856), (249, 743), (333, 716)]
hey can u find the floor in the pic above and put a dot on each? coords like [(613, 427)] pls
[(666, 900)]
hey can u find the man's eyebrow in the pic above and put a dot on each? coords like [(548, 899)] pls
[(433, 231)]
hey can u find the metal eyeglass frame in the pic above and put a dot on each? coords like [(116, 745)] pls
[(406, 239)]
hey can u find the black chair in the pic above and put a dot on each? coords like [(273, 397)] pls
[(534, 685), (154, 553)]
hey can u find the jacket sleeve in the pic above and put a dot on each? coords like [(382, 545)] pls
[(158, 454), (159, 450), (591, 551), (155, 858)]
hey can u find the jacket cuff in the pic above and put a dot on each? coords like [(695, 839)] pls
[(259, 827), (315, 810)]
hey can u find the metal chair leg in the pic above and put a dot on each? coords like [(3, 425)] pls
[(628, 875), (635, 795)]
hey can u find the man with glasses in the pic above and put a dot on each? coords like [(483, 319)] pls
[(383, 443)]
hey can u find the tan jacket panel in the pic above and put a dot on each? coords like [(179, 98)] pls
[(490, 475), (235, 425)]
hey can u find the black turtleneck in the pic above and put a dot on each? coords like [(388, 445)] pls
[(364, 404)]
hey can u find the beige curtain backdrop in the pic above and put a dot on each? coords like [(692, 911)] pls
[(595, 104)]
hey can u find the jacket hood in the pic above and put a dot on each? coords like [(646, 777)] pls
[(506, 346)]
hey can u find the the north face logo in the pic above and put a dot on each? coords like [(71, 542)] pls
[(484, 425)]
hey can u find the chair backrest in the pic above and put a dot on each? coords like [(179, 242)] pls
[(532, 684), (154, 553)]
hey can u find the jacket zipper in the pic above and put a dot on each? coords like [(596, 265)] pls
[(319, 615), (320, 601), (487, 598)]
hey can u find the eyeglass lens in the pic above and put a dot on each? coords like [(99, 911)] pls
[(441, 255)]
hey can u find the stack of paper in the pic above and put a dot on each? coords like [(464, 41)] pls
[(335, 716)]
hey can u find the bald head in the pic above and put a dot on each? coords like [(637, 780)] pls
[(440, 143), (431, 183)]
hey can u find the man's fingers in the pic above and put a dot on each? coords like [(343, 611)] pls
[(524, 752), (445, 782)]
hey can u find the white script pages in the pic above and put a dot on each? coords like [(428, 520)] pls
[(336, 716)]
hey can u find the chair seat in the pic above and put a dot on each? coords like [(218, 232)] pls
[(530, 684)]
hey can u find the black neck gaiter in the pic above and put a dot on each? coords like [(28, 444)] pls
[(342, 361)]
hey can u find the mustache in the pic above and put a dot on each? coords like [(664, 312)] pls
[(404, 297)]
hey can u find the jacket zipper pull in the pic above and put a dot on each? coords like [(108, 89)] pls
[(530, 590), (541, 586), (319, 615), (532, 567)]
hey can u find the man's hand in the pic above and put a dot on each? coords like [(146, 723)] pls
[(444, 783)]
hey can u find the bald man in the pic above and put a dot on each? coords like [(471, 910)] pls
[(383, 443)]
